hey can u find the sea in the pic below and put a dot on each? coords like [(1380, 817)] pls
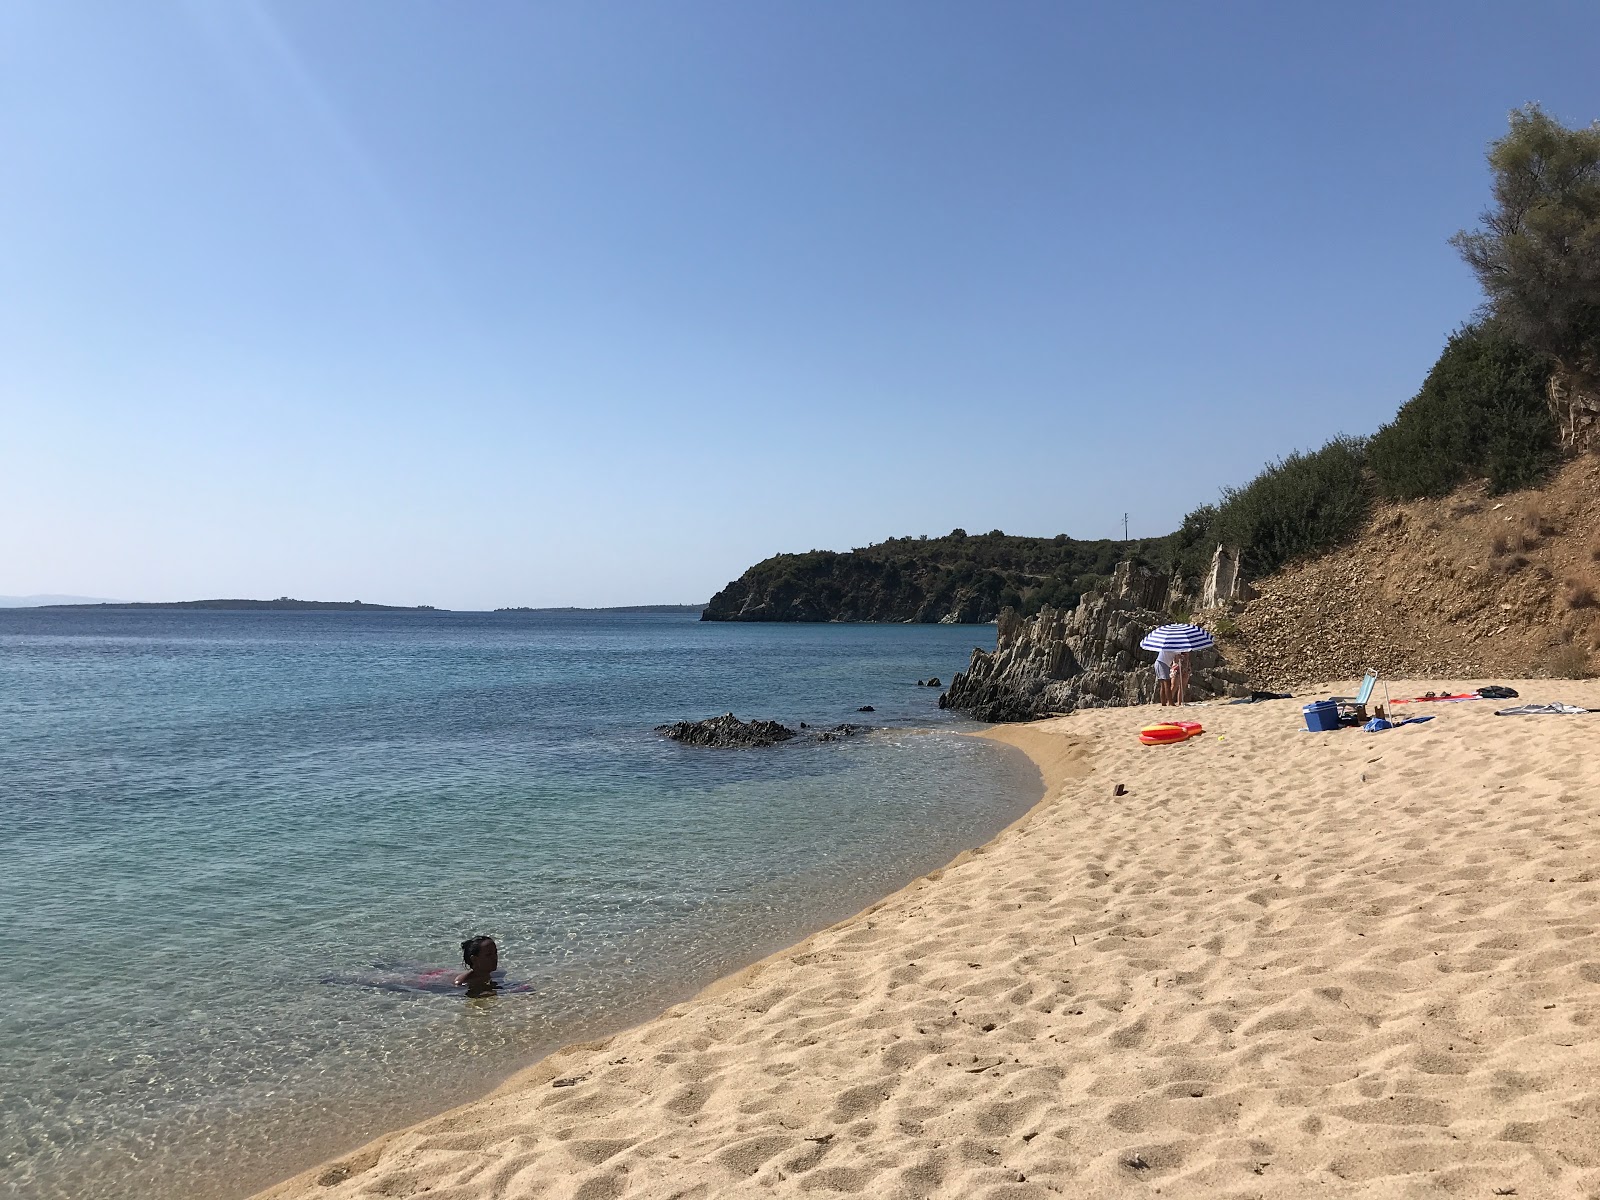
[(239, 850)]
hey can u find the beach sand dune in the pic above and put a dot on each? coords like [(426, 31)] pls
[(1282, 964)]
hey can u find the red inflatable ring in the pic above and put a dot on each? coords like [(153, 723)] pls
[(1169, 731)]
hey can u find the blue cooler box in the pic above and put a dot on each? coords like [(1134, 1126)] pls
[(1322, 717)]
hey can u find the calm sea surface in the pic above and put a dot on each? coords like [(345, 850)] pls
[(230, 843)]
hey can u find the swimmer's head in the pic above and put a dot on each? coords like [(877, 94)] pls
[(480, 953)]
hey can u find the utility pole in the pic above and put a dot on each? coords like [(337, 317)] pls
[(1124, 526)]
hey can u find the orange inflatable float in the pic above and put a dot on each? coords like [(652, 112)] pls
[(1169, 731)]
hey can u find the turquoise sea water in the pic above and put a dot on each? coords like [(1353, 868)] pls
[(228, 840)]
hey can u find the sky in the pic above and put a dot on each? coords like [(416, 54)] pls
[(596, 303)]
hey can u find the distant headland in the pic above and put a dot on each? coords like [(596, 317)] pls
[(957, 579), (282, 603)]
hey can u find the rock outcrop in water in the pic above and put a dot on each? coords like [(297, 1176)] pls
[(839, 732), (1086, 658), (728, 732)]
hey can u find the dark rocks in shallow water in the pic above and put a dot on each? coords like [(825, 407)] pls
[(727, 731), (922, 683), (839, 732), (866, 708), (934, 682)]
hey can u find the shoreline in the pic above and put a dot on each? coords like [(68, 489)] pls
[(1284, 955), (1008, 735), (1054, 766), (621, 873)]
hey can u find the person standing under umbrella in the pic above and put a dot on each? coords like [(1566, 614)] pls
[(1172, 644)]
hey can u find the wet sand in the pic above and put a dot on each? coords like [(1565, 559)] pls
[(1281, 964)]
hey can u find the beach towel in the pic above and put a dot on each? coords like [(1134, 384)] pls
[(1450, 699), (1534, 710)]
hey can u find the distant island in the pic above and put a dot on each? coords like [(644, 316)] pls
[(281, 604), (626, 608), (53, 601)]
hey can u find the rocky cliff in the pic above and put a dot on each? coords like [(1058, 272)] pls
[(1087, 658)]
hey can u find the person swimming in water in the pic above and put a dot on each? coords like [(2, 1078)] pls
[(482, 958), (482, 978)]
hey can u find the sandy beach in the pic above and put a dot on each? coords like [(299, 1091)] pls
[(1281, 964)]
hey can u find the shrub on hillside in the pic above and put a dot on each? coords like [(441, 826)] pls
[(1481, 414), (1300, 505), (1569, 662), (1538, 523), (1578, 593), (1189, 550)]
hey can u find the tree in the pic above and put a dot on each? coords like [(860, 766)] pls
[(1537, 251)]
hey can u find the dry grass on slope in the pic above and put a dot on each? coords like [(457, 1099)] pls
[(1469, 585)]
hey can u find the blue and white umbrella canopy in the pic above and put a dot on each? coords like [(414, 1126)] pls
[(1177, 637)]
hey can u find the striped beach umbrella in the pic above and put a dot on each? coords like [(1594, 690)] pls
[(1177, 637)]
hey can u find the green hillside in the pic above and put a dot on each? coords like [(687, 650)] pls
[(954, 579)]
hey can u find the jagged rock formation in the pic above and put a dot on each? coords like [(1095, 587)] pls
[(1575, 402), (1088, 658), (1224, 583)]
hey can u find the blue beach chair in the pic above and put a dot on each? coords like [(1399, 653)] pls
[(1358, 703)]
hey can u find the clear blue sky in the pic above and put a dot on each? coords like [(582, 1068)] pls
[(599, 303)]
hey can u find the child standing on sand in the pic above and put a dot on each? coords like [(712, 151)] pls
[(1178, 688)]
